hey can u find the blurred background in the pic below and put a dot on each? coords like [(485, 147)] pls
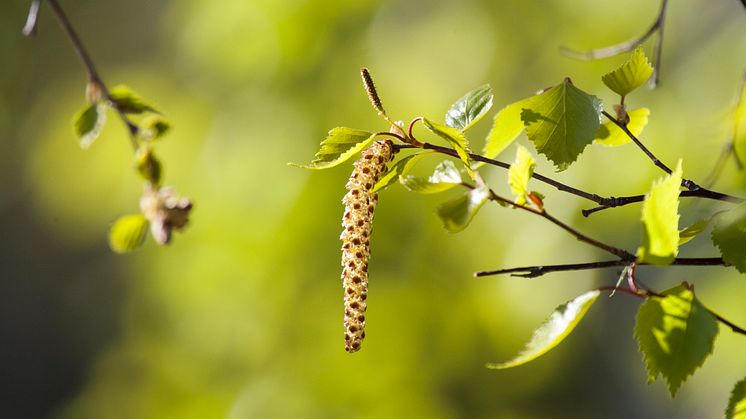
[(241, 317)]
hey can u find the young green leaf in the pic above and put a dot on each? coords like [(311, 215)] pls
[(470, 108), (630, 75), (554, 330), (693, 231), (660, 219), (737, 403), (506, 128), (610, 135), (458, 213), (455, 138), (729, 235), (675, 335), (128, 233), (399, 169), (340, 144), (88, 123), (561, 122), (444, 177), (153, 127), (519, 174), (128, 101)]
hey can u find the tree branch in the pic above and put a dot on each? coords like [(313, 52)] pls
[(700, 193)]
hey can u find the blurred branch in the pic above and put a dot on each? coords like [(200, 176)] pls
[(29, 28), (629, 45), (729, 149)]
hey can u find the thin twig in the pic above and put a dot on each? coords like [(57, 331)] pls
[(700, 193), (658, 51), (30, 27), (729, 148)]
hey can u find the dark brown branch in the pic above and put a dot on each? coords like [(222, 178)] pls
[(700, 193)]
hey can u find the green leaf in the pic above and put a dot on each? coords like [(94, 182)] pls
[(88, 123), (729, 235), (693, 231), (148, 165), (506, 128), (630, 75), (737, 403), (455, 138), (554, 330), (561, 122), (153, 127), (398, 169), (470, 108), (340, 144), (675, 334), (458, 213), (444, 177), (660, 219), (610, 135), (128, 101), (128, 233), (519, 174)]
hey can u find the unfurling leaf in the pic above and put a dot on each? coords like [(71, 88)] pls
[(128, 233), (458, 213), (519, 174), (470, 108), (737, 403), (630, 75), (88, 123), (554, 330), (729, 235), (693, 231), (610, 135), (561, 122), (128, 101), (153, 127), (675, 334), (506, 128), (340, 144), (444, 177), (455, 138), (660, 219)]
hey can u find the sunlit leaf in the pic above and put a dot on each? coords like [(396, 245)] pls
[(506, 128), (153, 127), (729, 235), (660, 219), (398, 169), (630, 75), (444, 177), (739, 125), (610, 135), (128, 101), (88, 123), (519, 174), (455, 138), (458, 213), (128, 233), (561, 122), (470, 108), (675, 334), (737, 403), (340, 144), (693, 231), (554, 330)]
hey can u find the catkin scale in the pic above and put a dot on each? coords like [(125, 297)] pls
[(360, 204)]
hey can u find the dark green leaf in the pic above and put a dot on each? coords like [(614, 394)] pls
[(660, 219), (729, 235), (128, 101), (519, 174), (458, 213), (148, 165), (444, 177), (675, 333), (470, 108), (153, 127), (610, 135), (630, 75), (340, 144), (554, 330), (455, 138), (128, 233), (88, 123), (561, 122), (737, 403)]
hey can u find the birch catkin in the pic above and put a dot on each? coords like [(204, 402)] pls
[(360, 205)]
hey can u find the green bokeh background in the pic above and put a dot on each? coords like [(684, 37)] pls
[(241, 316)]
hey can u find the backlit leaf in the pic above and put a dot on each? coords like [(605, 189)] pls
[(519, 174), (737, 403), (128, 101), (128, 233), (398, 169), (470, 108), (455, 138), (660, 219), (729, 235), (458, 213), (693, 231), (506, 128), (88, 123), (675, 334), (444, 177), (554, 330), (340, 144), (630, 75), (610, 135)]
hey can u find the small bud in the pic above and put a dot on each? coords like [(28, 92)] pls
[(148, 165), (165, 211), (93, 92), (621, 113)]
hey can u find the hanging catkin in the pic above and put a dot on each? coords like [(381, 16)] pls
[(360, 205)]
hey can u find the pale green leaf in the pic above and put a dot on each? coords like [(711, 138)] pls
[(610, 135), (519, 174), (693, 231), (458, 213), (398, 169), (506, 128), (470, 108), (455, 138), (554, 330), (630, 75), (660, 219), (675, 335), (737, 403), (340, 144), (729, 235), (128, 233), (561, 122), (444, 177), (739, 124), (88, 123), (128, 101)]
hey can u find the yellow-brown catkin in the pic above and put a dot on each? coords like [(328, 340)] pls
[(360, 205)]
